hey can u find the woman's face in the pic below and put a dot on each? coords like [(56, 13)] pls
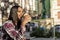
[(19, 12)]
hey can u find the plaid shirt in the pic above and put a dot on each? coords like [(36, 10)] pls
[(10, 29)]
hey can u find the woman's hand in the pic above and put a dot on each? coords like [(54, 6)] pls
[(26, 19)]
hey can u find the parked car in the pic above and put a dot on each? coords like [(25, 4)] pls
[(57, 28)]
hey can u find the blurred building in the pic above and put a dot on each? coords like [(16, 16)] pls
[(55, 11), (32, 6)]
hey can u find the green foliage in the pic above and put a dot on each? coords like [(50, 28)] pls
[(57, 34), (40, 33), (45, 8), (37, 33), (44, 33)]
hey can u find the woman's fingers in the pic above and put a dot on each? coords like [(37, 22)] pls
[(26, 19)]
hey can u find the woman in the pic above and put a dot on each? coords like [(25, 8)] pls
[(16, 23)]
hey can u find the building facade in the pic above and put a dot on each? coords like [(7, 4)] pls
[(55, 11)]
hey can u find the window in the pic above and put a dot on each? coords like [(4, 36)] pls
[(59, 15), (58, 2)]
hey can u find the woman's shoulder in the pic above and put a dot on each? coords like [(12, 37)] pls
[(8, 24)]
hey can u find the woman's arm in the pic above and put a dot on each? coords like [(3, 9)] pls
[(25, 20), (9, 28)]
